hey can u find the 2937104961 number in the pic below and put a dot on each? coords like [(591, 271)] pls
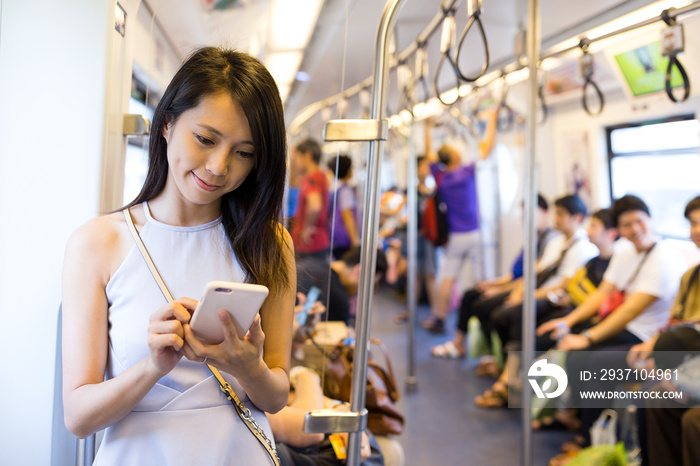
[(638, 375)]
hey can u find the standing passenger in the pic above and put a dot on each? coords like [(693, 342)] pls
[(209, 210), (343, 225), (310, 227), (456, 184)]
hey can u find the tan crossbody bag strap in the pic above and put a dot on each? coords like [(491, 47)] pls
[(242, 410)]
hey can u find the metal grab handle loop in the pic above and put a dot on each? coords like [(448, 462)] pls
[(584, 100), (673, 61), (447, 56), (421, 71), (586, 63), (543, 104), (506, 125), (474, 18), (406, 84)]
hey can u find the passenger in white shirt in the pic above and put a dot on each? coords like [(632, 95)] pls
[(563, 257), (649, 286), (648, 274)]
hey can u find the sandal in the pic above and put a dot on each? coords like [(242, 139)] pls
[(447, 351), (549, 423), (434, 324), (563, 458), (494, 397), (489, 370), (576, 444), (558, 421)]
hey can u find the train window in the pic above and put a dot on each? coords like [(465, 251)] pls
[(657, 161), (136, 162)]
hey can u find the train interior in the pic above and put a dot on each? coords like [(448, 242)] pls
[(79, 82)]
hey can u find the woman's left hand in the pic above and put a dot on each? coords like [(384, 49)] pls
[(234, 355)]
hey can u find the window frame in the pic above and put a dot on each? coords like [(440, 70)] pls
[(609, 130)]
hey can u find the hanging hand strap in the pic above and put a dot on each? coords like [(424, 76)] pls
[(242, 410)]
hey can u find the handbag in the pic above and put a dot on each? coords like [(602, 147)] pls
[(241, 409), (617, 297), (434, 225), (323, 454), (383, 418), (611, 302)]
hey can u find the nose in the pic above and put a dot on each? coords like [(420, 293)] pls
[(217, 164)]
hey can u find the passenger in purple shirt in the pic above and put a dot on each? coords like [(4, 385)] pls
[(458, 191), (456, 184), (457, 187)]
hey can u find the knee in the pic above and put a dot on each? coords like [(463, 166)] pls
[(501, 317)]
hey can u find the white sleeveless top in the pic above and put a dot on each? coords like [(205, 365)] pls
[(185, 419)]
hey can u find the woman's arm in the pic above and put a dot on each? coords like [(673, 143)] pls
[(90, 402), (260, 360), (288, 424)]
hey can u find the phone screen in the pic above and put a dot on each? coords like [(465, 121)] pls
[(311, 298)]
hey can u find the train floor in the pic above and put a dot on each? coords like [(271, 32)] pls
[(443, 425)]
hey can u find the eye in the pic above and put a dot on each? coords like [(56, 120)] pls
[(203, 140), (245, 155)]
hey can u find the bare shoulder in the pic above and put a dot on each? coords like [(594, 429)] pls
[(99, 245)]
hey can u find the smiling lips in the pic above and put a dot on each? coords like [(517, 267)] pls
[(204, 185)]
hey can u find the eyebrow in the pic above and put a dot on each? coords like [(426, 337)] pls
[(219, 133)]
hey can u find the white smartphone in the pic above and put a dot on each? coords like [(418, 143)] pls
[(242, 300)]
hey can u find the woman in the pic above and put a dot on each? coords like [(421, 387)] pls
[(208, 211)]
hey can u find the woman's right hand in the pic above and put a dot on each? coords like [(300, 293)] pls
[(166, 336)]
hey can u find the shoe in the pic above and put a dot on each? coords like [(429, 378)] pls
[(434, 324), (494, 397), (447, 351), (402, 317), (489, 370), (428, 322)]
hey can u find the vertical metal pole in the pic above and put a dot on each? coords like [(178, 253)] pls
[(370, 226), (528, 336), (412, 238)]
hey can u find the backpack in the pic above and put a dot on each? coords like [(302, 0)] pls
[(434, 219)]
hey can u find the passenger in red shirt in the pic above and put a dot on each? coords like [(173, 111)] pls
[(310, 228)]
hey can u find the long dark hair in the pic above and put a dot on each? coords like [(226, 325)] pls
[(250, 213)]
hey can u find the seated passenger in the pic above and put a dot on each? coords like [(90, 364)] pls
[(490, 294), (344, 277), (673, 429), (393, 221), (562, 258), (602, 234), (646, 275), (297, 448)]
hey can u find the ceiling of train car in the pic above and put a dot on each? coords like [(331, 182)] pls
[(245, 25)]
